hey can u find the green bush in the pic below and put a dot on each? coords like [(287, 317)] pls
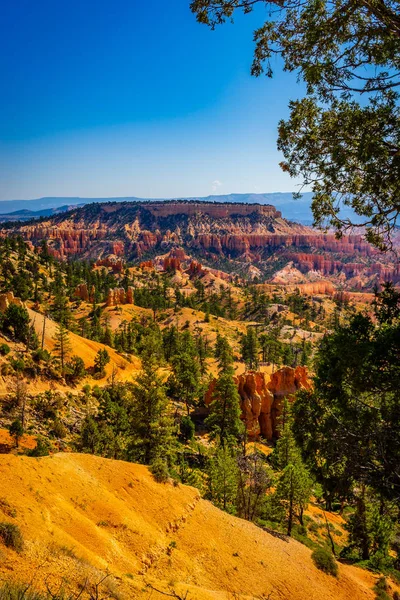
[(42, 448), (381, 588), (11, 536), (4, 349), (186, 429), (325, 561), (58, 429), (159, 470)]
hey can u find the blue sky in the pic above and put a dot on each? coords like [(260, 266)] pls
[(130, 98)]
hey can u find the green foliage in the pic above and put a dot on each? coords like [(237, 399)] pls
[(11, 535), (350, 420), (159, 470), (325, 561), (186, 428), (42, 448), (250, 348), (294, 484), (343, 138), (101, 360), (223, 479), (381, 589), (224, 420), (75, 369), (151, 426), (4, 349), (16, 431), (62, 347), (16, 323)]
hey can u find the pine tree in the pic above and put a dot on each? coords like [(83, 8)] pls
[(185, 381), (102, 359), (250, 348), (62, 345), (224, 420), (223, 479), (294, 485), (151, 426)]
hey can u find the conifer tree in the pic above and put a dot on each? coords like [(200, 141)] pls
[(151, 426), (223, 479), (250, 348), (224, 420), (62, 345), (294, 484)]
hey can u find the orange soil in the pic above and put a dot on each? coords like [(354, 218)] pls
[(82, 515), (86, 349), (7, 443)]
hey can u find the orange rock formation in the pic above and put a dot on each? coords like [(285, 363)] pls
[(262, 397)]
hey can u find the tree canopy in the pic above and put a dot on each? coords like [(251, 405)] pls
[(343, 138)]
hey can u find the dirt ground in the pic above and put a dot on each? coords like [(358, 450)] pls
[(82, 516)]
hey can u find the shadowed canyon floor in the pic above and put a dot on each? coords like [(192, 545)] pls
[(82, 516)]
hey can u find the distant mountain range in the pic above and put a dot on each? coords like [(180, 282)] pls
[(25, 210)]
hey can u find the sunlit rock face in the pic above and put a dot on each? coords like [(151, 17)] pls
[(254, 239), (262, 395)]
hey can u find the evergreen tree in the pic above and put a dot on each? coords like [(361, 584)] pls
[(250, 348), (62, 345), (16, 431), (223, 479), (101, 360), (151, 426), (294, 484), (185, 381), (224, 420)]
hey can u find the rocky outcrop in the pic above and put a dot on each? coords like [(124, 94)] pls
[(113, 261), (7, 299), (81, 292), (262, 396), (119, 296)]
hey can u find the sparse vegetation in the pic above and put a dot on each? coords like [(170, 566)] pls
[(325, 561), (11, 536)]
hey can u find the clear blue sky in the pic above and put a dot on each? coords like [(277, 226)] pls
[(134, 98)]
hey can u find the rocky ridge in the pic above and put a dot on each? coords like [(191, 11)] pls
[(254, 239)]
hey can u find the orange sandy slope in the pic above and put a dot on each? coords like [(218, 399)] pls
[(82, 515)]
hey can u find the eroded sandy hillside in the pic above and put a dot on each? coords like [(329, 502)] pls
[(82, 516)]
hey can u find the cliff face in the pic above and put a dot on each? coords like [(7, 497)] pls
[(241, 234), (262, 396)]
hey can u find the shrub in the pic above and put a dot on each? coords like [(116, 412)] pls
[(11, 536), (381, 588), (325, 561), (4, 349), (159, 470), (18, 364), (186, 429), (6, 369), (41, 354), (58, 429), (42, 447)]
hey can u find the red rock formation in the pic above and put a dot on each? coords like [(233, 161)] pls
[(81, 291), (147, 264), (262, 397), (112, 261), (171, 264), (118, 296), (7, 299)]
